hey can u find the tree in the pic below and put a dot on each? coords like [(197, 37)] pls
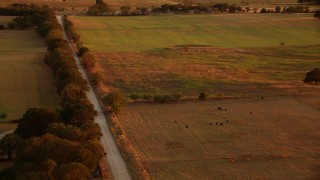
[(8, 145), (135, 97), (317, 14), (78, 112), (263, 10), (203, 95), (98, 9), (35, 121), (88, 61), (313, 76), (125, 10), (72, 171), (83, 50), (248, 9), (116, 100), (3, 116), (278, 9)]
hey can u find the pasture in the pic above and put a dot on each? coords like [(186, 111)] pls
[(279, 140), (148, 33), (25, 80), (223, 72)]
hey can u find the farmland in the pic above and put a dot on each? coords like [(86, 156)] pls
[(279, 140), (25, 80), (237, 59), (134, 34)]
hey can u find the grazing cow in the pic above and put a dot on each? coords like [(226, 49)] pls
[(187, 126), (227, 120), (251, 113), (221, 124), (225, 109), (219, 108), (217, 123), (175, 121), (262, 97), (210, 124)]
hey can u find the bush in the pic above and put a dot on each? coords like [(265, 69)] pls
[(147, 97), (135, 97), (203, 95), (116, 100), (2, 26), (313, 76), (89, 61), (83, 50), (159, 98), (162, 98)]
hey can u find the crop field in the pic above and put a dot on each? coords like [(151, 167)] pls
[(145, 33), (279, 140), (25, 80)]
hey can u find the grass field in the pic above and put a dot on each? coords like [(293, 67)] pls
[(25, 80), (139, 54), (280, 140), (222, 71), (132, 34)]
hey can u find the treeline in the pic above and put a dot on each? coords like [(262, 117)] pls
[(309, 1), (102, 8), (55, 144), (290, 9)]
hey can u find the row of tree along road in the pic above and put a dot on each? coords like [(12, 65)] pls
[(49, 143)]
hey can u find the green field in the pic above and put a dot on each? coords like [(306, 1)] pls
[(280, 140), (25, 80), (132, 34)]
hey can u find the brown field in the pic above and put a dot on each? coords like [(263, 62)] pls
[(7, 127), (280, 140), (26, 81)]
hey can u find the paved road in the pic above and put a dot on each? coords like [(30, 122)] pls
[(5, 133), (114, 160)]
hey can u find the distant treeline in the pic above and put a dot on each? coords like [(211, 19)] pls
[(49, 143), (309, 1), (102, 8)]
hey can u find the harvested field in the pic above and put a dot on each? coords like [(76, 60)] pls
[(149, 33), (25, 80), (279, 140)]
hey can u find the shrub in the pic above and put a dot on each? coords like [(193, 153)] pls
[(159, 98), (83, 50), (313, 76), (2, 26), (135, 97), (203, 95), (116, 100), (147, 96)]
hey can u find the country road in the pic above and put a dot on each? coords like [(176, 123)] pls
[(114, 160)]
